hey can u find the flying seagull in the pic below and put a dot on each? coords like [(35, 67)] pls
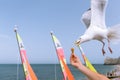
[(94, 20)]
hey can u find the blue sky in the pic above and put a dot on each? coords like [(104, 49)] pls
[(35, 20)]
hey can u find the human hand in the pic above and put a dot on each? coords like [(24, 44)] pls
[(74, 60)]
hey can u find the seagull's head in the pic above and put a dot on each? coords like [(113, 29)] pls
[(82, 39)]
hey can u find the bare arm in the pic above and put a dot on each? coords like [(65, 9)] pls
[(74, 60)]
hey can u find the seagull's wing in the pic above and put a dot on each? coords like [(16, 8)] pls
[(98, 8), (86, 17)]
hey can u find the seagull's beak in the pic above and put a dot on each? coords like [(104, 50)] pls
[(77, 42)]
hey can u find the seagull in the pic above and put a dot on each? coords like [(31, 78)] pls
[(94, 20)]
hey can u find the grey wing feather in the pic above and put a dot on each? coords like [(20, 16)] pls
[(86, 17)]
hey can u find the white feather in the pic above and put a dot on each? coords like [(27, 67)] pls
[(114, 33), (98, 8), (94, 19)]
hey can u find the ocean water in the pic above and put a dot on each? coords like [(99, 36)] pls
[(46, 71)]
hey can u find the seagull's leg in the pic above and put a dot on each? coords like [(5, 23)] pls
[(103, 51), (109, 46)]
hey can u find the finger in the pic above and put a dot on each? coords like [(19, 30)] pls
[(72, 57)]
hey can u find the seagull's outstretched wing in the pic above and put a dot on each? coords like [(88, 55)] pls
[(98, 8), (86, 17)]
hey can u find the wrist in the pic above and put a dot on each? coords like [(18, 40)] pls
[(80, 66)]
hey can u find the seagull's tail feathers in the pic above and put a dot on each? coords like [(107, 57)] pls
[(114, 33)]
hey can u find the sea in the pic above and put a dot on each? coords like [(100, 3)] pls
[(46, 71)]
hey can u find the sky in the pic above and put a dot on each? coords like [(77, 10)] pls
[(37, 18)]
